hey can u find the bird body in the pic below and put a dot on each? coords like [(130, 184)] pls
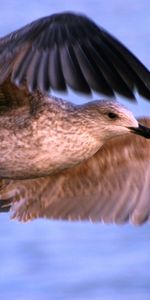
[(112, 187), (51, 134), (42, 138)]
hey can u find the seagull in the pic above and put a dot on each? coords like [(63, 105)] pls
[(42, 136)]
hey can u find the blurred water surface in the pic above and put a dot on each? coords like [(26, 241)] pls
[(80, 261)]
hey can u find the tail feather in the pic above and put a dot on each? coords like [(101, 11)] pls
[(5, 205)]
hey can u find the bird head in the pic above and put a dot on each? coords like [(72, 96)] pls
[(113, 119)]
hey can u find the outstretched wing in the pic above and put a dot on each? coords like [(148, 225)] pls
[(112, 186), (68, 50)]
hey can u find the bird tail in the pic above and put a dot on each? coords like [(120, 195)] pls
[(5, 205)]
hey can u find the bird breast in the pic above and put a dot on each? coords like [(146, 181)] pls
[(42, 146)]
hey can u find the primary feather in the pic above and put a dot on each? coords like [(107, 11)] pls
[(69, 50)]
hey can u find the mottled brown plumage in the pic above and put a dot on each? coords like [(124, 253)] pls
[(48, 135), (112, 186)]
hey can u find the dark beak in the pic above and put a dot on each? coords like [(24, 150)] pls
[(141, 130)]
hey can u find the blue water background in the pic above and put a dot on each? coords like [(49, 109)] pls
[(78, 261)]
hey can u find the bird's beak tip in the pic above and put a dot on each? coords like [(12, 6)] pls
[(141, 130)]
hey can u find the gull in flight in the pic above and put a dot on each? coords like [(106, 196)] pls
[(66, 161)]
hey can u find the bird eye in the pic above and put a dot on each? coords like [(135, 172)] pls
[(112, 115)]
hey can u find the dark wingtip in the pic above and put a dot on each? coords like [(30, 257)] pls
[(5, 205)]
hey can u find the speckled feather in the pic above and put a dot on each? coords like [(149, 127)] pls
[(112, 186)]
